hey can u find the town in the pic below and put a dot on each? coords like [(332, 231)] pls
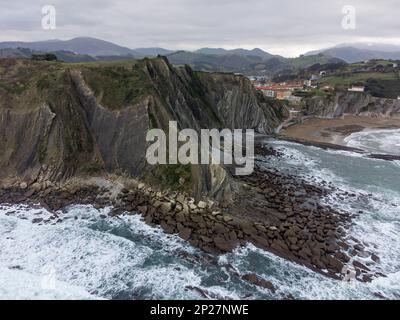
[(379, 78)]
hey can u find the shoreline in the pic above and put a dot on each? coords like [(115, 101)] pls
[(270, 210), (334, 131)]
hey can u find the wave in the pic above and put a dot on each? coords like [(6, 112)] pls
[(376, 186), (21, 285), (85, 254), (376, 141)]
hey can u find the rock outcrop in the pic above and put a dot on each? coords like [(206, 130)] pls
[(93, 118), (353, 103)]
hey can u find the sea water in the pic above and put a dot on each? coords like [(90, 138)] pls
[(88, 255), (376, 141)]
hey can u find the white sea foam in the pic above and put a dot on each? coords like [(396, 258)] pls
[(376, 141), (379, 224), (290, 278), (21, 285), (96, 256), (108, 257)]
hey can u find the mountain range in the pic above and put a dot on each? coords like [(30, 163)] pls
[(356, 52), (250, 62), (96, 48)]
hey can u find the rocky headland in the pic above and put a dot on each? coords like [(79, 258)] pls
[(75, 134)]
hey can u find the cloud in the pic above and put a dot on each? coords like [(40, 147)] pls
[(286, 27)]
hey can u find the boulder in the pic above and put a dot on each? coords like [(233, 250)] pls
[(181, 198), (361, 266), (142, 209), (261, 228), (228, 218), (167, 228), (375, 258), (29, 193), (157, 204), (256, 280), (37, 220), (248, 228), (185, 209), (23, 185), (279, 246), (36, 187), (259, 241), (206, 239), (166, 207), (202, 205), (334, 264), (181, 217), (224, 245), (178, 207), (198, 219), (219, 228), (185, 233)]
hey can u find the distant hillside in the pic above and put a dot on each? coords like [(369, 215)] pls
[(63, 55), (213, 62), (15, 53), (152, 52), (246, 64), (82, 45), (249, 62), (351, 54), (240, 52)]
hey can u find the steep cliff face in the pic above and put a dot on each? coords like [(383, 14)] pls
[(59, 120), (42, 127), (354, 103), (239, 105)]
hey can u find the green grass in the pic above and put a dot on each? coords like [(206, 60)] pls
[(47, 81), (117, 85), (15, 89), (307, 61), (120, 63), (168, 176), (347, 80)]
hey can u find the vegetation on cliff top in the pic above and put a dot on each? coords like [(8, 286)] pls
[(117, 86)]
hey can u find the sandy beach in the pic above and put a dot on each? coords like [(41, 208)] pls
[(334, 131)]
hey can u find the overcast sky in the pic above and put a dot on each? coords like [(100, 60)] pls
[(285, 27)]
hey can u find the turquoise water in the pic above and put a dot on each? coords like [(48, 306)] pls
[(87, 257)]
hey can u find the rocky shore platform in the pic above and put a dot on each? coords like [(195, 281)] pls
[(278, 213)]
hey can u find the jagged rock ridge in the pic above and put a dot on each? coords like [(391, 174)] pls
[(93, 118)]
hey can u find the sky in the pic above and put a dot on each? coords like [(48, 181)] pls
[(285, 27)]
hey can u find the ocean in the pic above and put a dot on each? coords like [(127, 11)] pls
[(87, 255)]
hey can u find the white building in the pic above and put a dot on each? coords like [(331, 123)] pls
[(357, 89), (314, 77), (270, 93)]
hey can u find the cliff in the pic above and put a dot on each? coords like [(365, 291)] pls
[(61, 120), (354, 103)]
